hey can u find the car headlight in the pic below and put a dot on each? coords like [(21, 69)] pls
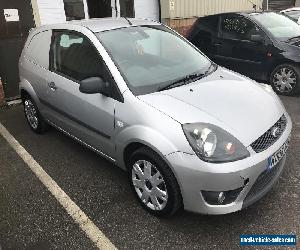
[(213, 144)]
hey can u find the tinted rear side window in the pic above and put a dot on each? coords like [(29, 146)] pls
[(204, 30), (205, 25)]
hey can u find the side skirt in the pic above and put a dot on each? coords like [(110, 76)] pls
[(82, 142)]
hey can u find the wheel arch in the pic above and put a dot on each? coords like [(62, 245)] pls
[(131, 147), (26, 88), (129, 150), (23, 94), (134, 137)]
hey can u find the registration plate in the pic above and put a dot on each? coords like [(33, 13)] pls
[(276, 157)]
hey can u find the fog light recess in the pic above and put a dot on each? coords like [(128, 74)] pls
[(221, 197)]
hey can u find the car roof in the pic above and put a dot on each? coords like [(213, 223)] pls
[(243, 13), (290, 9), (102, 24)]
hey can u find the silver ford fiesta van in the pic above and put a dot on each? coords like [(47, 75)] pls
[(191, 134)]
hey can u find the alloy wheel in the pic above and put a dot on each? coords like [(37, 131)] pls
[(149, 185), (285, 80), (31, 114)]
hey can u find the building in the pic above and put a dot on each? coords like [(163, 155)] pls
[(17, 17), (51, 11), (181, 14), (178, 14), (280, 4)]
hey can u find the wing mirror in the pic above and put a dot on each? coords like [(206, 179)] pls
[(256, 38), (94, 85)]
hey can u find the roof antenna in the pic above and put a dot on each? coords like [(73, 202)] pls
[(130, 23), (116, 10), (254, 6)]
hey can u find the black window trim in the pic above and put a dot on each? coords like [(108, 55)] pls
[(219, 26), (116, 95)]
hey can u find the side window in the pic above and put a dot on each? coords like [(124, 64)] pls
[(208, 25), (38, 49), (238, 28), (204, 30), (205, 27), (74, 56)]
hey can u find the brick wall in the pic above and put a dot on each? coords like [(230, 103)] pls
[(182, 26), (2, 101)]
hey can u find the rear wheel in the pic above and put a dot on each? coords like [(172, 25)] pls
[(33, 116), (153, 183), (285, 79)]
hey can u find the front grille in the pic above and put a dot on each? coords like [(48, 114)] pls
[(268, 138), (263, 180)]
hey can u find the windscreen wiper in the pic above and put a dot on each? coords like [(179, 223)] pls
[(188, 79), (210, 69), (182, 81), (292, 38)]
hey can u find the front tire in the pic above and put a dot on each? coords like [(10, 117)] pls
[(153, 183), (285, 79), (33, 116)]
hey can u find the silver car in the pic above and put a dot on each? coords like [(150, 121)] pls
[(191, 134)]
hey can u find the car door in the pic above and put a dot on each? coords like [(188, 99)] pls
[(88, 117), (236, 49)]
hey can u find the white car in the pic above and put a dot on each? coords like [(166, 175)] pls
[(292, 13)]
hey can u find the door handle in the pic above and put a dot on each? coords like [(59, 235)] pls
[(52, 86)]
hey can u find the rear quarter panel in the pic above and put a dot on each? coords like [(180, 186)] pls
[(34, 64)]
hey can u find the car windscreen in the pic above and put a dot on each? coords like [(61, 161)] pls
[(280, 26), (151, 57)]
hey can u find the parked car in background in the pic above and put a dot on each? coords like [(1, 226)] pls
[(190, 133), (293, 13), (262, 45)]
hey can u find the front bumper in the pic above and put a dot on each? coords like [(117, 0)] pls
[(250, 175)]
